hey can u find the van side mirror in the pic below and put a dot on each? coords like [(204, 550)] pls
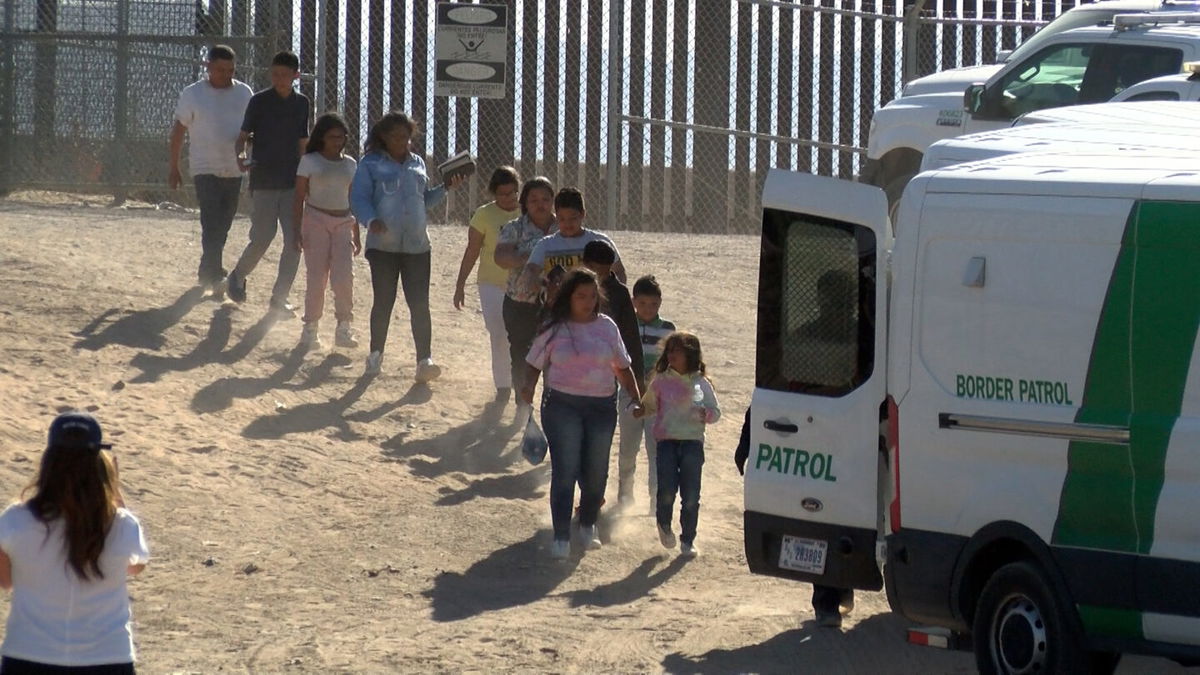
[(973, 98)]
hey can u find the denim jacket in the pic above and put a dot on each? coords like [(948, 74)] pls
[(396, 193)]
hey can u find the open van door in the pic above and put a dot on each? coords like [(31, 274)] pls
[(815, 471)]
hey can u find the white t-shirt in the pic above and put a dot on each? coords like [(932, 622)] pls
[(213, 118), (56, 618), (566, 251), (328, 181)]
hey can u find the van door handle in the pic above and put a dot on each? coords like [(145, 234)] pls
[(781, 427)]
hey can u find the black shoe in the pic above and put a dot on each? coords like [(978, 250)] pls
[(236, 288), (829, 619)]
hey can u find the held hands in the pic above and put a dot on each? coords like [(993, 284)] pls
[(527, 395), (637, 410)]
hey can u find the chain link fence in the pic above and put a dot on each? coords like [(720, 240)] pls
[(666, 113)]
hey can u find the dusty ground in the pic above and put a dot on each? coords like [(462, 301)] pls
[(304, 519)]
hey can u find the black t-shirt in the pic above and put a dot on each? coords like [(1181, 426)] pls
[(277, 125)]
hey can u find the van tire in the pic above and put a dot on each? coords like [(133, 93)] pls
[(1021, 625), (894, 190)]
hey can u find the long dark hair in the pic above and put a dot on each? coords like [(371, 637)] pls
[(325, 123), (690, 344), (385, 124), (560, 310), (79, 486)]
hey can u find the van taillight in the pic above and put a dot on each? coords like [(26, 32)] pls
[(893, 444)]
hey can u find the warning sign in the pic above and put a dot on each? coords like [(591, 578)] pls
[(472, 50)]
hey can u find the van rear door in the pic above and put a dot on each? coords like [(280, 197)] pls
[(813, 476)]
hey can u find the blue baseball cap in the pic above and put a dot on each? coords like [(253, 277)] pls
[(80, 422)]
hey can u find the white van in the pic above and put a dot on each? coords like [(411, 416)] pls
[(1134, 114), (1070, 138), (1028, 346)]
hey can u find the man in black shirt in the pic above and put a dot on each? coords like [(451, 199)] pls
[(276, 126)]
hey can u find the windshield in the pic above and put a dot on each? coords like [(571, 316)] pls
[(1069, 20)]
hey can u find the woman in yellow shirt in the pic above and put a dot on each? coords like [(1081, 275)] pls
[(492, 279)]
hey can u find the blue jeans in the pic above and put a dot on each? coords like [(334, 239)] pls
[(218, 201), (679, 467), (579, 430)]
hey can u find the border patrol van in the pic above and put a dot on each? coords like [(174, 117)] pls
[(1075, 138), (997, 414)]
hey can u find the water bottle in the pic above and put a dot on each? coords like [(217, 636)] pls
[(698, 403)]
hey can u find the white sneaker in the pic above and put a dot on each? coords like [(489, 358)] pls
[(344, 336), (428, 371), (309, 335), (217, 290), (667, 537), (374, 363), (560, 549), (591, 538), (688, 550)]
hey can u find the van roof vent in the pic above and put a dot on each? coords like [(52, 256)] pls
[(1127, 21)]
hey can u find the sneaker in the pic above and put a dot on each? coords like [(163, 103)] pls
[(309, 335), (666, 536), (829, 619), (560, 549), (344, 336), (428, 371), (688, 550), (590, 537), (374, 363), (236, 288), (217, 290), (284, 310)]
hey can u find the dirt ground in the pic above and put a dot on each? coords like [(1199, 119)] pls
[(303, 518)]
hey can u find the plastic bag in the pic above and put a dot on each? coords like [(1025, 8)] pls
[(534, 444)]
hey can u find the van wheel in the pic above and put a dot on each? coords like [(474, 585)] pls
[(1021, 626), (894, 190)]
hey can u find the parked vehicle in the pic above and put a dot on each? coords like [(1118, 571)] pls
[(996, 414)]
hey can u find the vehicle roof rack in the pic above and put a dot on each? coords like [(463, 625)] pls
[(1127, 21)]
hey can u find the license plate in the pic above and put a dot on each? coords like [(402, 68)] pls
[(803, 555)]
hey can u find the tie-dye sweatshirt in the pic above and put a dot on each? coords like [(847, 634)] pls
[(580, 358), (675, 400)]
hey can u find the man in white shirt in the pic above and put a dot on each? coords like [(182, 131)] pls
[(210, 112)]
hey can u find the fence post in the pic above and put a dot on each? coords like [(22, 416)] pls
[(612, 171), (912, 30), (114, 167), (8, 122)]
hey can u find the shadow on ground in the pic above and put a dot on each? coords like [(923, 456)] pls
[(313, 417), (142, 329), (637, 585), (874, 645), (220, 394), (210, 349), (513, 576), (480, 446)]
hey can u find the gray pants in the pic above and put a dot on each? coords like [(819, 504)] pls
[(633, 432), (271, 209)]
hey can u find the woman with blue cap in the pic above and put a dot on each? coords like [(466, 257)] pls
[(65, 553)]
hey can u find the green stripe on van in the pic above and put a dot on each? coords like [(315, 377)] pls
[(1126, 623), (1136, 377)]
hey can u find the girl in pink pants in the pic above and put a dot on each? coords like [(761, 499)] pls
[(327, 234)]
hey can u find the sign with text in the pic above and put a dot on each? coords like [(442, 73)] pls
[(471, 47)]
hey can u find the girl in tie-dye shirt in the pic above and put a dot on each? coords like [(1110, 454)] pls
[(683, 402)]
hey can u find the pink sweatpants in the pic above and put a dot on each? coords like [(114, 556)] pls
[(328, 255)]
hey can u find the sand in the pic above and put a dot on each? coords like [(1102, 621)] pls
[(305, 519)]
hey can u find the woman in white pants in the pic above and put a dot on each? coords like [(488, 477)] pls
[(489, 219)]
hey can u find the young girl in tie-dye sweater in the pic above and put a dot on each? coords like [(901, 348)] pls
[(683, 401)]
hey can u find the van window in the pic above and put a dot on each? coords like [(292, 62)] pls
[(816, 316), (1160, 95)]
